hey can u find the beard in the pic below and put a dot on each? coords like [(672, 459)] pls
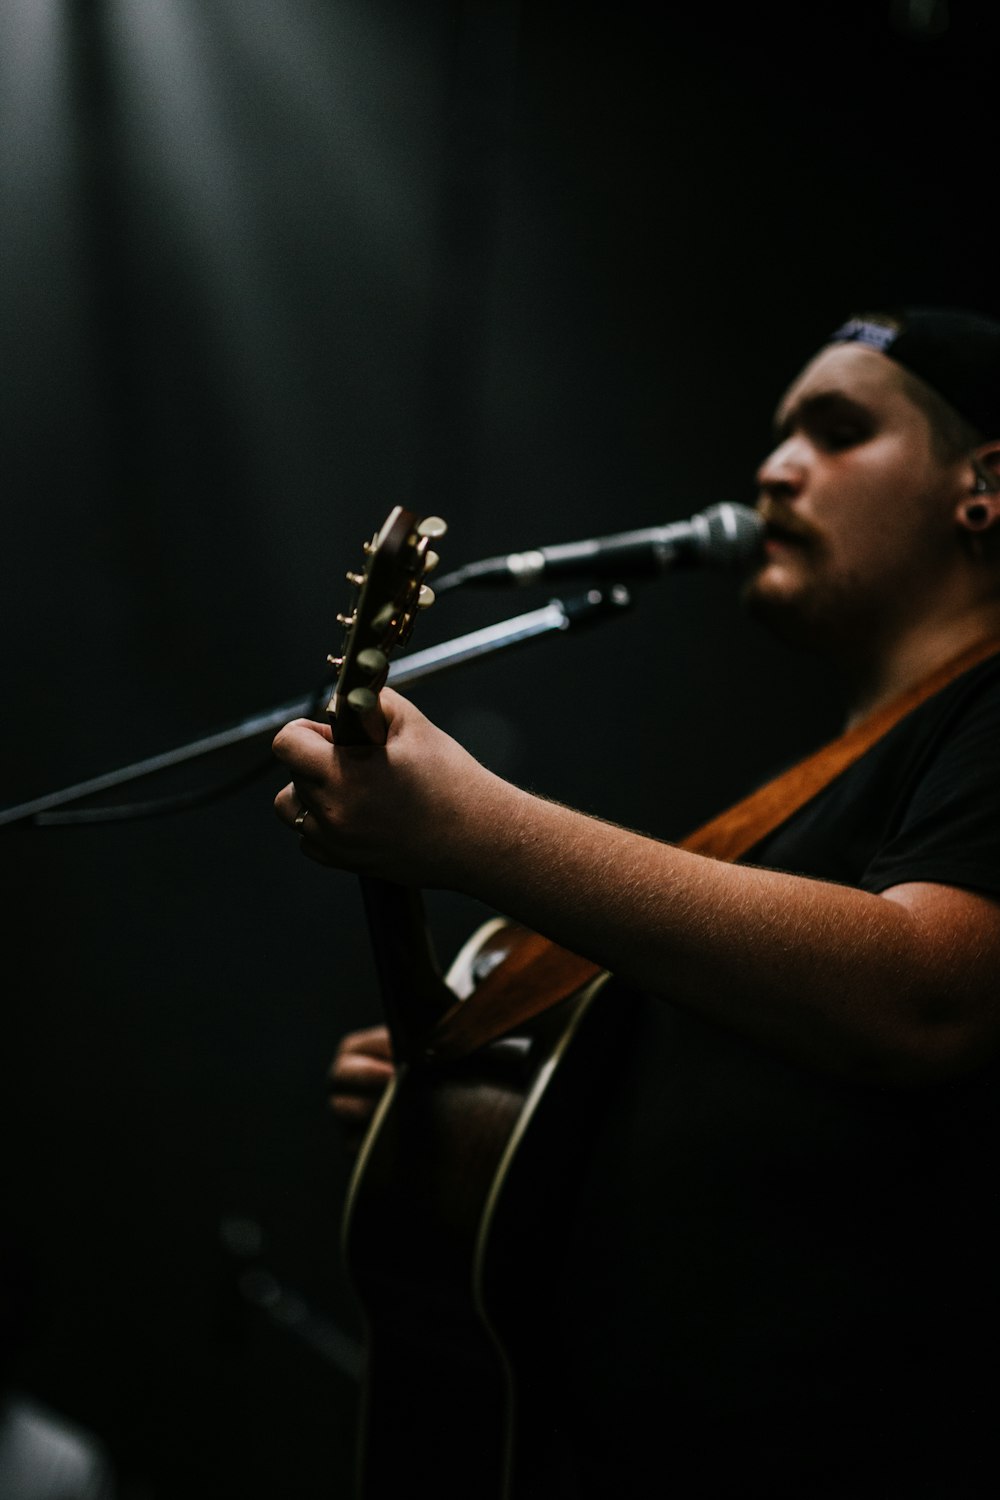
[(809, 611)]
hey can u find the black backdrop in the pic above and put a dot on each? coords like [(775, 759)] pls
[(268, 270)]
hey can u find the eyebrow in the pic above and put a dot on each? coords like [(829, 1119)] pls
[(818, 406)]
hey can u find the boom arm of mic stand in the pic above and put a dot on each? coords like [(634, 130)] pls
[(558, 615)]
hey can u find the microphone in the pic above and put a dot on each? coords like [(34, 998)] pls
[(723, 536)]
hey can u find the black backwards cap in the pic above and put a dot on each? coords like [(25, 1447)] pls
[(954, 351)]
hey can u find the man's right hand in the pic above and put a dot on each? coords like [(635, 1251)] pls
[(359, 1073)]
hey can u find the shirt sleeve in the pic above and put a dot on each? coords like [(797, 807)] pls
[(949, 832)]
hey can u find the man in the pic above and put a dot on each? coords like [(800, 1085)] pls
[(820, 1243)]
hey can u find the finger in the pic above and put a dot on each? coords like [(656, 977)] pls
[(288, 805), (303, 743), (293, 810), (352, 1109), (395, 708), (356, 1073), (372, 1040)]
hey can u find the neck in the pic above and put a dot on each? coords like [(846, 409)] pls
[(878, 676)]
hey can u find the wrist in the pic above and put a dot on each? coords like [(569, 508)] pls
[(487, 830)]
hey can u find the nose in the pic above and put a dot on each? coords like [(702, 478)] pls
[(783, 472)]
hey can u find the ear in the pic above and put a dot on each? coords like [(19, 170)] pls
[(979, 507)]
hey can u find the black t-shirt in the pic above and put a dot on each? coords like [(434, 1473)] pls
[(780, 1284), (922, 804)]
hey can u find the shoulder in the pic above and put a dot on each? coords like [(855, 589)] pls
[(957, 721)]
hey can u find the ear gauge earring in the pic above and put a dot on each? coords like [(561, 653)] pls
[(976, 514)]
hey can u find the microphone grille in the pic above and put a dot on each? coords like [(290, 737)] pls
[(729, 535)]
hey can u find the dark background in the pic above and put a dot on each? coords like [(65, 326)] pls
[(268, 270)]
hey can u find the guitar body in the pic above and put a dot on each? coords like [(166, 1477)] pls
[(454, 1240)]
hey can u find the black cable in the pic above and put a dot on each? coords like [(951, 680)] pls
[(154, 807)]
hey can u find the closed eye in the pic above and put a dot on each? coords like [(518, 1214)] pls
[(832, 420), (841, 435)]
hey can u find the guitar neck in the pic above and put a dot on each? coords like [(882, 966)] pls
[(413, 992)]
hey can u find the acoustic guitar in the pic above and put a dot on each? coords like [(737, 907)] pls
[(442, 1232), (457, 1226)]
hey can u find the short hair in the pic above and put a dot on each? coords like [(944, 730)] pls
[(951, 434)]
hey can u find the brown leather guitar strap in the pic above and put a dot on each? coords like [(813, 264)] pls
[(534, 973)]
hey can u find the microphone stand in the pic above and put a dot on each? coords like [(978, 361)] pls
[(558, 615)]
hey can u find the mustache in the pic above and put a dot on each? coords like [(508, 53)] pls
[(783, 525)]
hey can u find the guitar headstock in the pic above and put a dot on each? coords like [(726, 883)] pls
[(390, 593)]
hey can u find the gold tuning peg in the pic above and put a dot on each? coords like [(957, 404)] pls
[(347, 619), (356, 578), (336, 661), (372, 660), (431, 560), (433, 527), (362, 700), (426, 597)]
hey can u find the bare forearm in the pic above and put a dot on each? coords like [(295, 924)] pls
[(900, 985), (836, 976)]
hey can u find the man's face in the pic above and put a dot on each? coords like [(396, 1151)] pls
[(859, 509)]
